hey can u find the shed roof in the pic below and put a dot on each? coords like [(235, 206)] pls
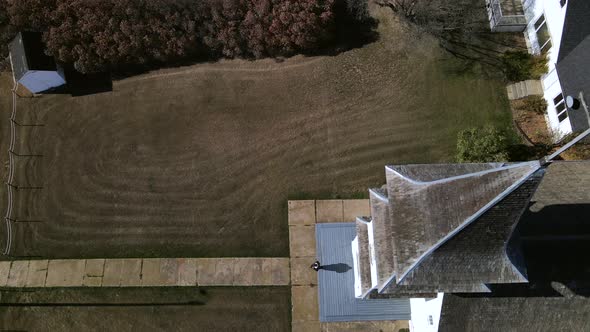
[(27, 52)]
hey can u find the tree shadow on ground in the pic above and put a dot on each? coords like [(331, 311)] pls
[(353, 28), (463, 32)]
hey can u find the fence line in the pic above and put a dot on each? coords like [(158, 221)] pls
[(9, 186)]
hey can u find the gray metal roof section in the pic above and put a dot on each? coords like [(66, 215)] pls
[(336, 283)]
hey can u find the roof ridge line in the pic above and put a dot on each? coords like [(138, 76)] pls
[(379, 195), (463, 176), (472, 218)]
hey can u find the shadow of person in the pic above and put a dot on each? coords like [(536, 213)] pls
[(338, 268)]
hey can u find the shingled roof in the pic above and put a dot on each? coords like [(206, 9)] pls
[(554, 236), (416, 238), (573, 63), (515, 313), (480, 249)]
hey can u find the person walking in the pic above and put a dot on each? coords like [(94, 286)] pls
[(316, 266)]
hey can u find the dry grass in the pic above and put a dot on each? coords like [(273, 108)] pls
[(577, 152), (133, 309), (533, 124), (199, 161)]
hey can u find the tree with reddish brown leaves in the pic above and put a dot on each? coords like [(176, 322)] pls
[(300, 24), (94, 35), (109, 34)]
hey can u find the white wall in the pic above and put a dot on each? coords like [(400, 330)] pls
[(554, 17), (38, 80), (422, 309), (358, 288)]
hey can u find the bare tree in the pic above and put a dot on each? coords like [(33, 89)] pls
[(461, 26), (403, 7)]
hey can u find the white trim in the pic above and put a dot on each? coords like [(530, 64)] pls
[(534, 22), (458, 177), (379, 196), (12, 68), (358, 287), (372, 255)]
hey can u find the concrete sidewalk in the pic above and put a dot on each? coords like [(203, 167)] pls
[(145, 272)]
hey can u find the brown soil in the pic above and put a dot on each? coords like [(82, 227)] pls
[(535, 130), (532, 124), (579, 151), (200, 161)]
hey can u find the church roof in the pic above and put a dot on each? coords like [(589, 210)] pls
[(444, 227), (477, 255), (426, 214)]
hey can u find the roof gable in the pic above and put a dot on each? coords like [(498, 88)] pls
[(424, 215), (480, 249)]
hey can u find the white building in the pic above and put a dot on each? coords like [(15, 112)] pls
[(426, 313), (31, 67), (559, 29), (543, 34)]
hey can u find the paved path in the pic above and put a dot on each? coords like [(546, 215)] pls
[(303, 215), (145, 272)]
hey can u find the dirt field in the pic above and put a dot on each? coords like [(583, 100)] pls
[(199, 161), (250, 309)]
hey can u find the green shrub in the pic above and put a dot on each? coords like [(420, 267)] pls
[(520, 66), (484, 144), (536, 104), (539, 66)]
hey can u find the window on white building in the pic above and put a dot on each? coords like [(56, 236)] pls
[(430, 320), (543, 36), (560, 108)]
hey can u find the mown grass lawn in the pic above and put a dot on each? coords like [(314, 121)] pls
[(199, 161)]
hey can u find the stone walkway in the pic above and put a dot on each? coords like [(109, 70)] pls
[(146, 272), (138, 272), (303, 215)]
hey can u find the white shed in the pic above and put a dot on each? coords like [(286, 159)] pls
[(31, 67)]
